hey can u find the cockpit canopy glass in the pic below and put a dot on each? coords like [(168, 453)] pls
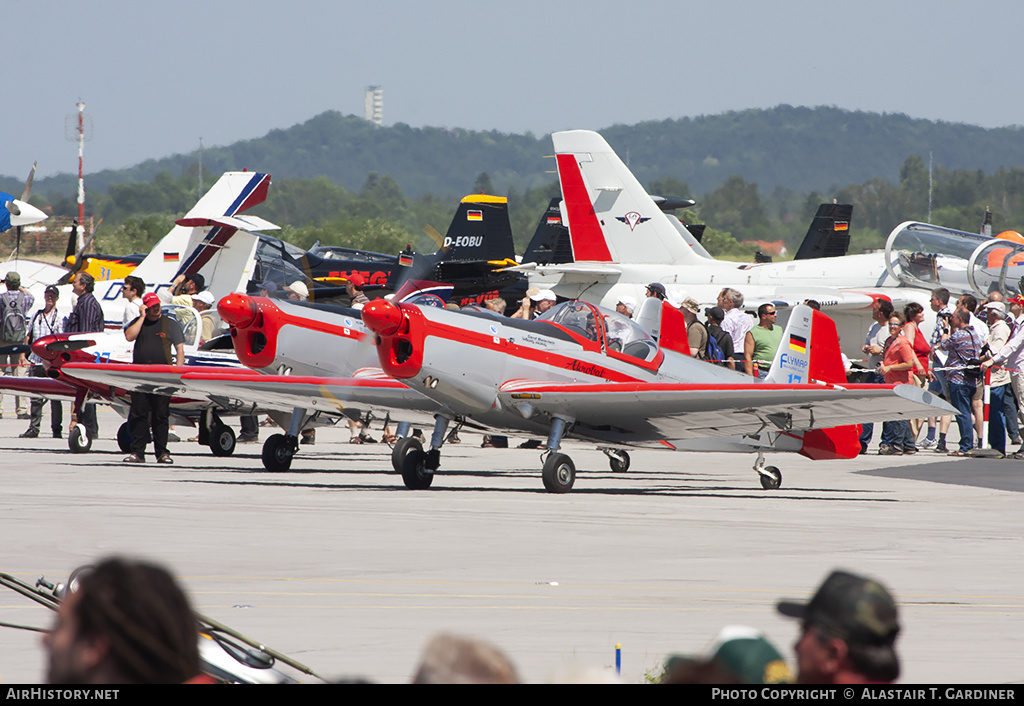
[(621, 334)]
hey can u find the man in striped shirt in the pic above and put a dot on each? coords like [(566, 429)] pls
[(86, 317)]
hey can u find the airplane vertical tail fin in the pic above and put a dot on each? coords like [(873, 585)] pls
[(829, 233), (611, 217), (810, 353), (480, 230), (177, 251), (550, 244), (666, 323)]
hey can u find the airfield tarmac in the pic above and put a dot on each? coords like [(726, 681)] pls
[(339, 566)]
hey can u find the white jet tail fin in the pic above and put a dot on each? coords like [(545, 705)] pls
[(611, 217), (177, 252)]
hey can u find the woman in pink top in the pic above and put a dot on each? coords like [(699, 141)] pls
[(912, 332), (897, 363)]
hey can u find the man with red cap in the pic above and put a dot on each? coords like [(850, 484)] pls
[(155, 335), (354, 287)]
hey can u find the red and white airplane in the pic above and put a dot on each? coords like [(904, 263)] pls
[(591, 373), (622, 241)]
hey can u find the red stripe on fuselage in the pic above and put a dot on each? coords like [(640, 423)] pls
[(585, 230)]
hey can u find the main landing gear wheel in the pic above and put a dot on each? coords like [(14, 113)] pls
[(78, 440), (619, 461), (771, 478), (402, 447), (414, 470), (222, 440), (559, 473), (278, 451), (124, 438)]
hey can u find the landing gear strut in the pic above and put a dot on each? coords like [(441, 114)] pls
[(771, 476), (559, 471)]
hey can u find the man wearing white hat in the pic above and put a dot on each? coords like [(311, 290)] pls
[(535, 304), (297, 291), (626, 306), (203, 303)]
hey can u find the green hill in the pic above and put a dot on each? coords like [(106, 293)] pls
[(800, 149)]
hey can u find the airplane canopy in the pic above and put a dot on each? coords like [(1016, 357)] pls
[(929, 256)]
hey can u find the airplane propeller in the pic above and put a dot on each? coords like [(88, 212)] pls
[(23, 213), (68, 346), (80, 259), (435, 235)]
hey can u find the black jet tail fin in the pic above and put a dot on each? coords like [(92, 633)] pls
[(829, 234), (551, 244), (479, 231)]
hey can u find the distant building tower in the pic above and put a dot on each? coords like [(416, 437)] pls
[(373, 104)]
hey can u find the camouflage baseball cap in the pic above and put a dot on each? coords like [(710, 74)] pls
[(13, 279), (853, 608)]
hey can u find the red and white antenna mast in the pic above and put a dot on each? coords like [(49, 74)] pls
[(81, 148), (81, 127)]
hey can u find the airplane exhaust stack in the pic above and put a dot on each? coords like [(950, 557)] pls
[(237, 310), (382, 317)]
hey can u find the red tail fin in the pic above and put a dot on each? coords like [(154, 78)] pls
[(826, 365)]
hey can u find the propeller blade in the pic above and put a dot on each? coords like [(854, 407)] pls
[(72, 242), (28, 183), (434, 235), (80, 259), (16, 349), (67, 346)]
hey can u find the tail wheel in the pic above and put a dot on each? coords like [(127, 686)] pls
[(402, 447), (222, 440), (771, 478), (277, 453), (559, 473), (414, 470), (619, 461), (79, 440)]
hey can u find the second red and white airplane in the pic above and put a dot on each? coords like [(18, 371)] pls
[(591, 373)]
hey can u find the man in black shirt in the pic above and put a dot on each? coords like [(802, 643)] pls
[(86, 317), (155, 335)]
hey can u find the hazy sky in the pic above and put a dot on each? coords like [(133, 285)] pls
[(155, 77)]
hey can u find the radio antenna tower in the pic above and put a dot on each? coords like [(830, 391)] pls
[(80, 137)]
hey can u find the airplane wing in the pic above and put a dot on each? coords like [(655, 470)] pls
[(246, 222), (569, 268), (333, 395), (36, 387), (644, 412), (240, 388)]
